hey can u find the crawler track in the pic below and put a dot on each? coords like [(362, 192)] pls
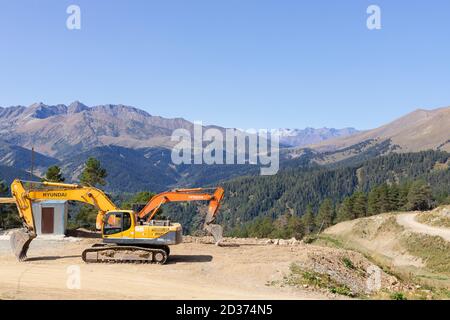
[(125, 254)]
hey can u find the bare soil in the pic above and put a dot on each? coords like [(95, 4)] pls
[(195, 270)]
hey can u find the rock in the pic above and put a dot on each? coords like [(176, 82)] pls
[(393, 282)]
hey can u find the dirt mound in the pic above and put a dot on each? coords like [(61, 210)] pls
[(349, 269), (228, 241)]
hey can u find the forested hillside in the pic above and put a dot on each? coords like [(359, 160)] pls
[(292, 190)]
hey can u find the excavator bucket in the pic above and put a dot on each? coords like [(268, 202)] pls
[(20, 242), (216, 231), (213, 229)]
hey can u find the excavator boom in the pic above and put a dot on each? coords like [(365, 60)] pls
[(24, 196)]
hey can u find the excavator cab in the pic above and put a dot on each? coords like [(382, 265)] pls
[(122, 227), (116, 222)]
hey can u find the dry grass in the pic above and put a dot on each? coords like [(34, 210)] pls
[(371, 227), (433, 250), (437, 218)]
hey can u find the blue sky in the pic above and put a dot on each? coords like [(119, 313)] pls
[(235, 63)]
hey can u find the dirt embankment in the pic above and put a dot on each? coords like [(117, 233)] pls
[(400, 242)]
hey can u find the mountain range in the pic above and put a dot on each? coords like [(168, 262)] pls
[(60, 130), (135, 146)]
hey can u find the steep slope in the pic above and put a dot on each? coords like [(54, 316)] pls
[(417, 131)]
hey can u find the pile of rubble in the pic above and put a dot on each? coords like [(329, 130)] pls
[(246, 241), (352, 270)]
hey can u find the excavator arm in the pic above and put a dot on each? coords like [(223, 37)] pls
[(24, 196), (186, 195), (183, 195)]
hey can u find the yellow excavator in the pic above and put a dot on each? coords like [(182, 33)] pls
[(128, 236)]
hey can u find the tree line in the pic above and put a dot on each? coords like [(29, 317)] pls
[(293, 189), (408, 196)]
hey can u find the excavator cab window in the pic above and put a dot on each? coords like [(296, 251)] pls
[(126, 221), (116, 222)]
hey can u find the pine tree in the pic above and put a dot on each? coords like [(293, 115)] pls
[(309, 220), (393, 196), (345, 210), (403, 195), (93, 173), (295, 227), (54, 174), (325, 216), (359, 200), (384, 203), (373, 201), (419, 196)]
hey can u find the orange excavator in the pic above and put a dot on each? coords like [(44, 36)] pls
[(185, 195), (127, 236)]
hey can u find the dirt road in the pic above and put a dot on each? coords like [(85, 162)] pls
[(408, 221), (194, 271)]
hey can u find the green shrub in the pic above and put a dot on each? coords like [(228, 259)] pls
[(348, 263), (398, 296)]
